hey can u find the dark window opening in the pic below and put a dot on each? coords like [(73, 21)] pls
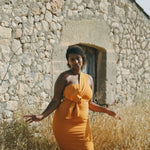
[(96, 67), (101, 79), (91, 66)]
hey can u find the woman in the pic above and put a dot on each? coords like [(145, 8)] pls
[(72, 97)]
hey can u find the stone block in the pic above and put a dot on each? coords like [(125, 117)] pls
[(119, 11), (12, 105), (15, 69), (3, 89), (22, 89), (78, 1), (6, 52), (119, 79), (25, 39), (80, 8), (5, 33), (70, 13), (22, 10), (18, 33), (38, 77), (44, 105), (125, 71), (87, 12), (60, 19), (48, 16), (27, 60), (7, 9), (104, 7), (43, 95), (148, 45), (5, 42), (91, 5), (45, 25), (27, 29), (48, 6), (13, 81), (7, 114), (53, 26), (16, 46), (52, 41), (147, 75), (1, 118), (2, 99), (146, 64), (118, 88), (36, 18), (38, 26), (35, 9), (48, 47), (47, 83), (47, 67), (6, 97), (33, 99), (144, 44), (124, 43)]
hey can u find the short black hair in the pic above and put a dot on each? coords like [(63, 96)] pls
[(76, 49)]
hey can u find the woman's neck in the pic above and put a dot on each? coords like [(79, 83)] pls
[(75, 72)]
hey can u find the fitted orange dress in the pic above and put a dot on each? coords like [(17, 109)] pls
[(70, 124)]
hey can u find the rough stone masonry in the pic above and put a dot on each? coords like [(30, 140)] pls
[(31, 32)]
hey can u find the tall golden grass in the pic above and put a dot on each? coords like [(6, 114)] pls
[(17, 135), (130, 133)]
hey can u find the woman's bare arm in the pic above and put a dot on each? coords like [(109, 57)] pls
[(96, 107), (58, 92), (56, 100)]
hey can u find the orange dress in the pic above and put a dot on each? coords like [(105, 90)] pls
[(70, 124)]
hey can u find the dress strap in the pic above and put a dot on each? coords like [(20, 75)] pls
[(84, 81)]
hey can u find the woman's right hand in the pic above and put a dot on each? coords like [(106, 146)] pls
[(31, 118)]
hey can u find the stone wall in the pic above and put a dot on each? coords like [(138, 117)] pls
[(32, 50)]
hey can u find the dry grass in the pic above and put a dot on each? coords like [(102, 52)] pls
[(130, 133), (17, 135)]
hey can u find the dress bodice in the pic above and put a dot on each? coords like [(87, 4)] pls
[(78, 96)]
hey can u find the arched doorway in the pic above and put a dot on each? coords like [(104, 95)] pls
[(93, 33)]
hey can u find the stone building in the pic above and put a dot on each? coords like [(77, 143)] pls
[(34, 36)]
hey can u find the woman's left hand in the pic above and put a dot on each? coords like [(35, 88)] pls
[(113, 114)]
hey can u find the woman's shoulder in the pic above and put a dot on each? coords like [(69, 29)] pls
[(86, 74), (64, 75), (89, 78)]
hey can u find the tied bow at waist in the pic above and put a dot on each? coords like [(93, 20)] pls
[(73, 110)]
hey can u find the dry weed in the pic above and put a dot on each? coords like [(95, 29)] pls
[(130, 133)]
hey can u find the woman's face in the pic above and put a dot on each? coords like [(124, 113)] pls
[(75, 61)]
